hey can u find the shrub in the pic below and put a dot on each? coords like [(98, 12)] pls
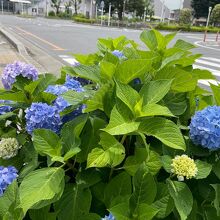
[(122, 147), (64, 15), (185, 16), (84, 20), (51, 14)]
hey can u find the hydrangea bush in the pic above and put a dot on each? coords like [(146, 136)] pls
[(126, 134)]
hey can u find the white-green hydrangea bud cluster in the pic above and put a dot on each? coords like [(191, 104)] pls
[(8, 148), (184, 167)]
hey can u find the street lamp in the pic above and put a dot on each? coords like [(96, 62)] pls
[(207, 24), (109, 14), (162, 10)]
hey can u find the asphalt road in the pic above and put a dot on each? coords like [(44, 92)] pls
[(60, 38)]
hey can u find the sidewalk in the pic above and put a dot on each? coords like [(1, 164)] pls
[(8, 53)]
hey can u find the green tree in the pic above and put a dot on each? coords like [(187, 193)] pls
[(215, 16), (76, 5), (185, 16), (56, 4), (139, 6), (201, 7), (117, 6)]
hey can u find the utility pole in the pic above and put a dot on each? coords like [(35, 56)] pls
[(145, 10), (2, 8), (91, 4), (109, 14), (102, 7), (124, 3), (207, 23), (162, 11)]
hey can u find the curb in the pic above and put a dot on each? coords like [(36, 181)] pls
[(20, 48)]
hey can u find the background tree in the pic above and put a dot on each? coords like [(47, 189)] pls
[(56, 4), (67, 7), (201, 7), (185, 16), (76, 5), (117, 6), (139, 6), (215, 16)]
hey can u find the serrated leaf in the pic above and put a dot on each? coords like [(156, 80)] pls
[(111, 154), (182, 197), (40, 188), (132, 69), (47, 142), (154, 91), (120, 185), (164, 130)]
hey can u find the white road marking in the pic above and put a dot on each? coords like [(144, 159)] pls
[(208, 63), (210, 58), (214, 72), (71, 61), (197, 43), (206, 82)]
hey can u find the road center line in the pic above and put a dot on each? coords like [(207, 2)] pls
[(55, 47)]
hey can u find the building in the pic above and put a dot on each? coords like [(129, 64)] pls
[(161, 11), (187, 4)]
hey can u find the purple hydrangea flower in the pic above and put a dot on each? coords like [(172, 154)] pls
[(11, 71), (56, 89), (7, 176), (118, 54), (205, 128), (109, 217), (5, 108), (41, 115)]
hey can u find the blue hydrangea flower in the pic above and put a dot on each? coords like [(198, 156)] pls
[(73, 114), (205, 128), (109, 217), (11, 71), (7, 176), (118, 54), (5, 108), (56, 89), (60, 104), (41, 115), (137, 81), (73, 84)]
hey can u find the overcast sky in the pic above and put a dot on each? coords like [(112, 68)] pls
[(173, 4)]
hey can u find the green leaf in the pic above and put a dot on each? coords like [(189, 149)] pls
[(47, 143), (183, 45), (70, 134), (97, 101), (119, 186), (202, 74), (75, 98), (119, 124), (120, 211), (87, 72), (164, 130), (146, 211), (183, 81), (74, 203), (13, 96), (145, 189), (112, 154), (155, 110), (153, 162), (40, 188), (42, 214), (154, 91), (8, 198), (217, 197), (182, 197), (164, 202), (153, 39), (166, 161), (107, 70), (216, 93), (131, 69), (7, 115), (132, 163), (176, 102), (204, 169), (127, 95)]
